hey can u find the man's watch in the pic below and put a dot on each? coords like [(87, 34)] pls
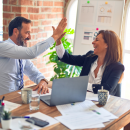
[(45, 80)]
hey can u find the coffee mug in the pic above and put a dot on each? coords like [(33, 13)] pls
[(26, 94), (103, 96)]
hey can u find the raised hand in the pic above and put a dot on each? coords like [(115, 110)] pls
[(58, 41), (60, 29)]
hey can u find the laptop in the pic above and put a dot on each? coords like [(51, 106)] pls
[(67, 90)]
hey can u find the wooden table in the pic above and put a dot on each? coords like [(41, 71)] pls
[(118, 106)]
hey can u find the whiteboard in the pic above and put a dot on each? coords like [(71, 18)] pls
[(93, 16)]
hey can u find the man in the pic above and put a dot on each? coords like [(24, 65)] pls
[(13, 50)]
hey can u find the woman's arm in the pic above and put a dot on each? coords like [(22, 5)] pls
[(65, 57)]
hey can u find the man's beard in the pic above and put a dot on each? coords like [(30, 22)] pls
[(20, 40)]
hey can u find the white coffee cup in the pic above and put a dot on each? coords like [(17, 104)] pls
[(26, 94)]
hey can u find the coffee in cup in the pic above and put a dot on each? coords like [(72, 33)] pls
[(26, 94)]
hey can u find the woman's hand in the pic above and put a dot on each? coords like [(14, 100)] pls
[(58, 41)]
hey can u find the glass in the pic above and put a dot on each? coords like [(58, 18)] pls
[(1, 110), (34, 101)]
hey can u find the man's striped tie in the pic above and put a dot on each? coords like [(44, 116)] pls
[(21, 74)]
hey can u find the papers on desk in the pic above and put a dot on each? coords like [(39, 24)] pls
[(15, 122), (82, 120), (35, 92), (75, 115), (76, 107), (10, 105), (86, 106), (93, 97)]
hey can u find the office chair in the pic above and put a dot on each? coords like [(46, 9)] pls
[(118, 92)]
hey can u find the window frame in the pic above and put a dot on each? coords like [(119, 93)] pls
[(68, 8)]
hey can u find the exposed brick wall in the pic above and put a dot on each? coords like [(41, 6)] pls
[(44, 14)]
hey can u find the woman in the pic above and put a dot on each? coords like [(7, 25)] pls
[(103, 65)]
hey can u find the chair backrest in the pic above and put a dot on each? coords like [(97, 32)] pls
[(118, 92)]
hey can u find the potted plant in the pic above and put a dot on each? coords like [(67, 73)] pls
[(63, 70), (6, 119)]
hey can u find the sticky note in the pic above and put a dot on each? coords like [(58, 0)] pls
[(106, 2), (97, 29)]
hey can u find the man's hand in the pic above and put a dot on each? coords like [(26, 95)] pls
[(60, 29), (42, 87)]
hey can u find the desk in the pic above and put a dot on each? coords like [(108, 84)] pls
[(118, 106)]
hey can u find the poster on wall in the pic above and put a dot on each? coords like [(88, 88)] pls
[(87, 12), (92, 14), (89, 35), (105, 13)]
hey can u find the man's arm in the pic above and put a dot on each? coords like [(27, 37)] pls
[(36, 76), (18, 52)]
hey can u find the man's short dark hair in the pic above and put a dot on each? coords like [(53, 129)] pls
[(17, 23)]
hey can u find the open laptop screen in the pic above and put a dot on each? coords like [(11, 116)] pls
[(68, 90)]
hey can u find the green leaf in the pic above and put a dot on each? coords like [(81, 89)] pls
[(6, 115), (61, 69)]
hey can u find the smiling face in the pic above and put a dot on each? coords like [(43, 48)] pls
[(100, 47), (24, 34)]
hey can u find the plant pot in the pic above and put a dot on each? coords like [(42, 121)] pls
[(6, 123)]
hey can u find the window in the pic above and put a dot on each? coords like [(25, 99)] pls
[(1, 21), (71, 15), (126, 58)]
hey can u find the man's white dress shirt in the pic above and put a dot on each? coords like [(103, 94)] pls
[(10, 53), (92, 80)]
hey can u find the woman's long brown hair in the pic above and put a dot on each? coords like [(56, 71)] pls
[(114, 49)]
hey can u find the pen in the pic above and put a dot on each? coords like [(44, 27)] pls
[(95, 111), (13, 117), (2, 99)]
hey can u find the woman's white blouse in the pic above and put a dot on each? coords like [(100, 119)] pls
[(92, 80)]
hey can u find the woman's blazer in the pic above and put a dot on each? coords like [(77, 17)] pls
[(111, 74)]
